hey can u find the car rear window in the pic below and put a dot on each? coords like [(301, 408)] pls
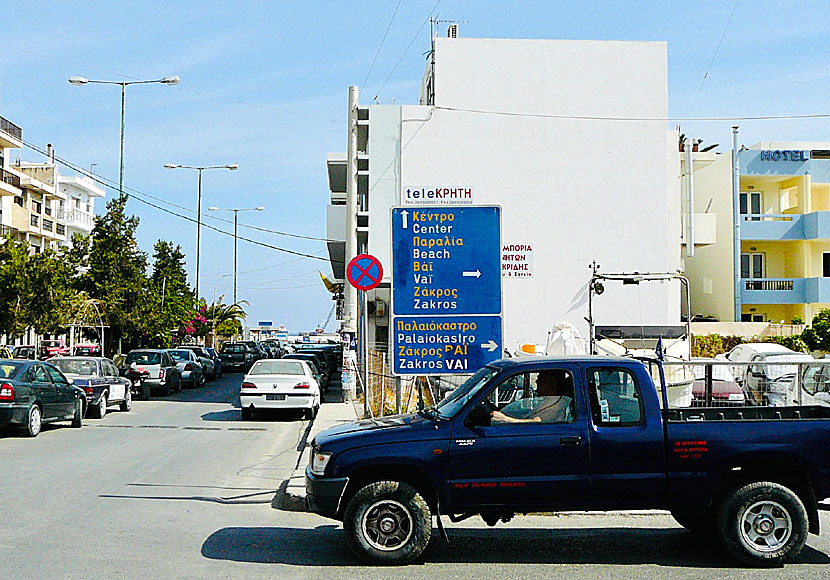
[(277, 367), (233, 348), (69, 366), (9, 370), (144, 358), (180, 354)]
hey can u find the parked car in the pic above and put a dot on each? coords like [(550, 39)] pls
[(236, 356), (280, 384), (33, 393), (319, 360), (217, 360), (87, 350), (333, 352), (25, 352), (815, 386), (100, 380), (192, 371), (725, 389), (765, 384), (5, 352), (50, 348), (204, 358), (276, 349), (253, 348), (152, 369)]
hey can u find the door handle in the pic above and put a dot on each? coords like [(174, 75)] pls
[(570, 441)]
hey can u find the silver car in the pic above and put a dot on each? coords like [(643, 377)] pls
[(193, 373), (156, 370)]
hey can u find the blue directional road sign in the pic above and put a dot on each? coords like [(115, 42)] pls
[(439, 345), (446, 260)]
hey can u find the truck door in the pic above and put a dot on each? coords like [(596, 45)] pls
[(535, 452), (627, 453)]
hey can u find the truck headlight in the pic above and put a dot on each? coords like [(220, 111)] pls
[(319, 461)]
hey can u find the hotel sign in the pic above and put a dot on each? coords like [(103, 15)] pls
[(785, 155)]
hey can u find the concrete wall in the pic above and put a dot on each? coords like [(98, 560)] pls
[(575, 189)]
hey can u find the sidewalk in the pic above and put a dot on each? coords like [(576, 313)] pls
[(291, 494)]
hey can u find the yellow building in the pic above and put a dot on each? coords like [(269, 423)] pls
[(782, 271)]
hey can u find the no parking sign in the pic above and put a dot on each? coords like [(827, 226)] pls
[(364, 272)]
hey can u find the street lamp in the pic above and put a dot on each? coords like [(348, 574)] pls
[(231, 167), (78, 81), (235, 222)]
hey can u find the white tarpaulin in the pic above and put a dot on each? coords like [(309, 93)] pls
[(565, 339)]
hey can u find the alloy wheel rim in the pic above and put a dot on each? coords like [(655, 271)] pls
[(766, 526), (387, 525), (34, 421)]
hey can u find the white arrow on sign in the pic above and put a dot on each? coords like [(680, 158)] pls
[(468, 274), (490, 345), (404, 213)]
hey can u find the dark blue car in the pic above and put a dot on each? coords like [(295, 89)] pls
[(33, 393)]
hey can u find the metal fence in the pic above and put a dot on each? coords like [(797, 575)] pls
[(770, 383)]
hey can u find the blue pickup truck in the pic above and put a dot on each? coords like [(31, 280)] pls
[(604, 438)]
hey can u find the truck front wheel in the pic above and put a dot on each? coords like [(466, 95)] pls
[(762, 524), (387, 522)]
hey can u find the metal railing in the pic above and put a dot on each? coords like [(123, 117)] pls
[(8, 127), (8, 230), (724, 383), (76, 216), (785, 285), (10, 178)]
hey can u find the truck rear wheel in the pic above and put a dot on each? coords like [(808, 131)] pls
[(387, 522), (762, 524)]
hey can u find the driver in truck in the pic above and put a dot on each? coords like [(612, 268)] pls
[(552, 402)]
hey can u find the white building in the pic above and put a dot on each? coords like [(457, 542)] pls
[(78, 209), (569, 138)]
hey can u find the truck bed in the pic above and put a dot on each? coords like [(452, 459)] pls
[(748, 413)]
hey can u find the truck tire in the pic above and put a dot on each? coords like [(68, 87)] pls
[(762, 524), (696, 522), (387, 522)]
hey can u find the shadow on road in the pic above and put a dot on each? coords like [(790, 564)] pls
[(325, 546), (278, 415)]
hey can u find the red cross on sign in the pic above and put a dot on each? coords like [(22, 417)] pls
[(364, 272)]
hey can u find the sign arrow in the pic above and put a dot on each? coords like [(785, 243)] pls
[(404, 214), (490, 345), (468, 274)]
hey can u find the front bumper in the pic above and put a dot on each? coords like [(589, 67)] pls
[(291, 401), (323, 494)]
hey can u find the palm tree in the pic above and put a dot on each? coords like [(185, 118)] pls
[(218, 312)]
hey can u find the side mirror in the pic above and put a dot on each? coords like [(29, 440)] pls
[(479, 417)]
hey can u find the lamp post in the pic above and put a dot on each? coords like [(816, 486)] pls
[(235, 223), (78, 81), (231, 167)]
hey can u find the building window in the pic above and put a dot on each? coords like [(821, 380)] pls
[(752, 265), (751, 203), (748, 317), (826, 265)]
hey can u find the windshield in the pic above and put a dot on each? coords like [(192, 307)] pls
[(460, 396), (71, 366), (776, 371), (143, 358), (277, 367)]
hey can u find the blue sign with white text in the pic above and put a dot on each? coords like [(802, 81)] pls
[(439, 345), (446, 260)]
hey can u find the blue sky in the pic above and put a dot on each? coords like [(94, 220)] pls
[(264, 85)]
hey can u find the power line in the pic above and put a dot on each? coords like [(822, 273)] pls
[(714, 54), (138, 197), (414, 38), (382, 40)]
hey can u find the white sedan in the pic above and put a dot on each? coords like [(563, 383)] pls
[(279, 384)]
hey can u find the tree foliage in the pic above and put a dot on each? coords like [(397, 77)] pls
[(817, 336)]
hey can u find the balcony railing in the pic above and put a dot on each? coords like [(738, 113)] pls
[(8, 127), (808, 226), (76, 216), (769, 285), (10, 178), (8, 230)]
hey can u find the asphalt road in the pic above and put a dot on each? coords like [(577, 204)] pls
[(181, 488)]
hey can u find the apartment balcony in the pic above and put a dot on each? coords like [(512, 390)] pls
[(11, 136), (785, 290), (807, 226), (6, 231), (9, 182), (77, 219)]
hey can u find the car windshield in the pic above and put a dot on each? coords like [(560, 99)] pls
[(776, 371), (9, 370), (180, 354), (143, 358), (277, 367), (72, 366), (460, 396)]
